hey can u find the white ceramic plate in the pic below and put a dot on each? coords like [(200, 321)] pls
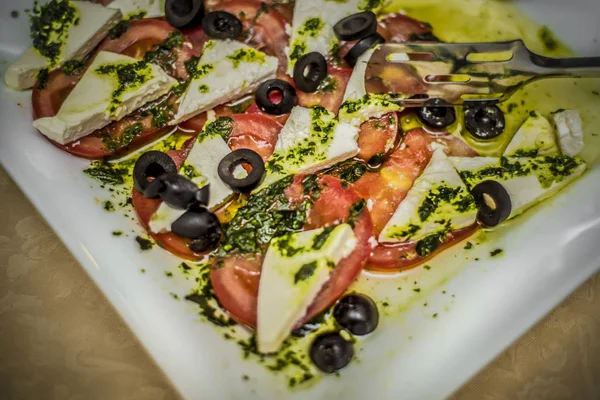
[(485, 307)]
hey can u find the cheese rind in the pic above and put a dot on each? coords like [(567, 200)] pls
[(528, 181), (535, 137), (295, 268), (570, 132), (311, 139), (94, 24), (91, 105), (438, 202), (227, 70)]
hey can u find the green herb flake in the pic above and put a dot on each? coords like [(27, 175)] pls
[(247, 55), (305, 272), (117, 233), (203, 89), (144, 244), (129, 77), (108, 206), (496, 252), (42, 78), (107, 173), (222, 126), (320, 240), (468, 246), (548, 39), (72, 67), (356, 211)]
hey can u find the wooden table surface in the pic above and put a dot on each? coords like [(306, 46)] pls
[(60, 339)]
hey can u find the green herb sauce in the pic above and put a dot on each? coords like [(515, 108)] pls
[(129, 77), (145, 244), (247, 55), (222, 126), (305, 272), (50, 24)]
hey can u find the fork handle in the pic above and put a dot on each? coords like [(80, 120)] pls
[(581, 67)]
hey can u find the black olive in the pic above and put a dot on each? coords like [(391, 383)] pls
[(357, 314), (436, 113), (331, 352), (184, 13), (151, 164), (309, 72), (493, 202), (375, 163), (203, 195), (178, 191), (288, 97), (200, 225), (356, 26), (361, 47), (486, 122), (222, 25), (235, 158)]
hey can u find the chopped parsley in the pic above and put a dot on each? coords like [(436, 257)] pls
[(72, 67), (305, 272), (222, 126), (129, 76), (247, 55), (164, 54), (496, 252), (107, 173), (145, 244), (50, 24), (42, 78), (548, 39)]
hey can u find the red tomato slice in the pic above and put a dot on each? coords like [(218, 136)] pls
[(145, 208), (141, 36), (266, 29), (402, 256), (255, 132), (47, 101), (197, 123), (332, 94), (236, 281), (377, 136)]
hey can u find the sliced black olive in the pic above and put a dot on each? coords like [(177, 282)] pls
[(486, 122), (493, 202), (179, 192), (331, 352), (229, 163), (309, 72), (356, 26), (436, 113), (222, 25), (184, 13), (200, 225), (151, 164), (376, 162), (361, 47), (288, 97), (357, 314)]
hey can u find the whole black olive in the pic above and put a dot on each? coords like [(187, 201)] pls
[(436, 114), (357, 313), (178, 191), (184, 13), (486, 122), (200, 225), (493, 202), (151, 164), (222, 25), (330, 352)]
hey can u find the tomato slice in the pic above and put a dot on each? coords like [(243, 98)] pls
[(332, 90), (46, 101), (197, 123), (236, 280), (265, 30), (398, 28), (377, 136), (255, 132)]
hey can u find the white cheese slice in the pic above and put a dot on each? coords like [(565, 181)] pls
[(90, 106), (570, 132), (161, 220), (150, 8), (358, 106), (94, 24), (528, 181), (311, 139), (535, 137), (230, 70), (438, 202), (295, 268), (313, 22)]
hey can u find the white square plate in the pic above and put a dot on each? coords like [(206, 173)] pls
[(482, 309)]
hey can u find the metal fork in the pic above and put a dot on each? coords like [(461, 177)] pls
[(459, 73)]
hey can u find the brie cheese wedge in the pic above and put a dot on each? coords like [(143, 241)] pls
[(94, 22), (226, 71), (570, 132), (535, 137), (295, 268), (100, 98), (528, 181), (438, 202)]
